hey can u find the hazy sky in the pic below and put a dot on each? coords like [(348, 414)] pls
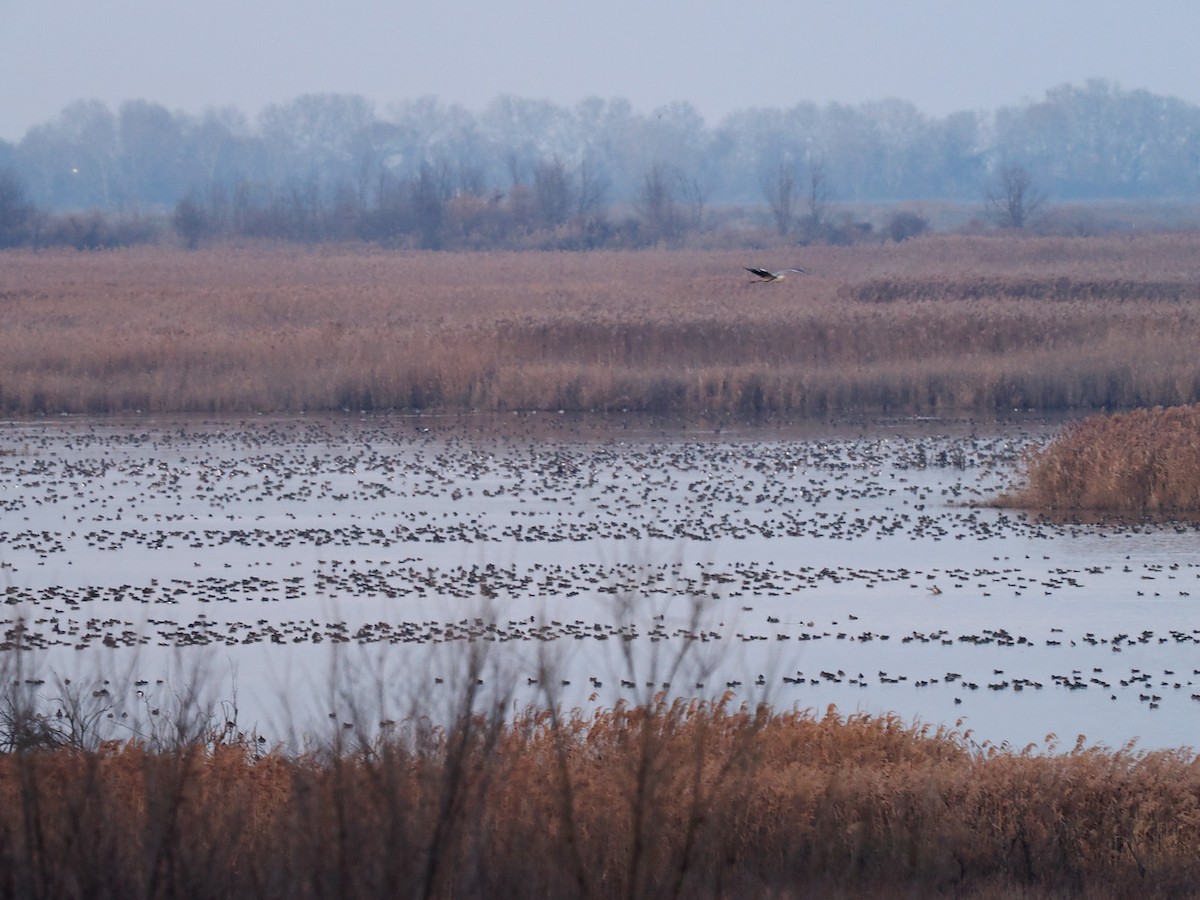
[(943, 55)]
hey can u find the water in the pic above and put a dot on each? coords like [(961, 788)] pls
[(351, 570)]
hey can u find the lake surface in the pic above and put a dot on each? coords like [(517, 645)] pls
[(341, 572)]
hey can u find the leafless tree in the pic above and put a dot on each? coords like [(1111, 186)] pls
[(552, 192), (190, 220), (780, 191), (694, 196), (15, 209), (429, 206), (1016, 199), (592, 188), (820, 194), (469, 178), (657, 205)]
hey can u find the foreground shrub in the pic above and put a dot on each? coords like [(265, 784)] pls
[(1147, 460)]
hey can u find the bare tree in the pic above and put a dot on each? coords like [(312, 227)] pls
[(780, 192), (429, 206), (15, 209), (1015, 199), (657, 205), (820, 194), (190, 220), (469, 178), (592, 188), (694, 195), (552, 192)]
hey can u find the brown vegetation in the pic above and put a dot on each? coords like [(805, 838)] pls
[(936, 324), (662, 800), (1144, 461)]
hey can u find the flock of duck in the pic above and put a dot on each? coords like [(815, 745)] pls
[(831, 548)]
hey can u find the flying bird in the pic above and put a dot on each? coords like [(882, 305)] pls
[(765, 275)]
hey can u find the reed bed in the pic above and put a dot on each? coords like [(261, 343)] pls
[(1143, 461), (943, 323), (662, 800)]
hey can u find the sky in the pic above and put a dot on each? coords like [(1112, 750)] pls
[(720, 55)]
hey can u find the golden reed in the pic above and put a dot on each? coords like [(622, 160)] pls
[(668, 799), (1142, 461), (938, 324)]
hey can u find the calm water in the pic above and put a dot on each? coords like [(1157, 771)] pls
[(348, 571)]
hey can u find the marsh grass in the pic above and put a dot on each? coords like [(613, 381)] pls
[(668, 798), (1143, 461), (930, 325)]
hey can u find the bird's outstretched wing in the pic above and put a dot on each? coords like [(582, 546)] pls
[(761, 273)]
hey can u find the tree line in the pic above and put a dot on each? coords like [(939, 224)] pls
[(529, 172)]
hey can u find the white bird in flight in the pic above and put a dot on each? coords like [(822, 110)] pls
[(765, 275)]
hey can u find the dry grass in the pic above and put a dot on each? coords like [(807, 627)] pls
[(936, 324), (663, 800), (1144, 461)]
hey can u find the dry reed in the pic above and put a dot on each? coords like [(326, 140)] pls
[(1143, 461), (931, 325), (667, 799)]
